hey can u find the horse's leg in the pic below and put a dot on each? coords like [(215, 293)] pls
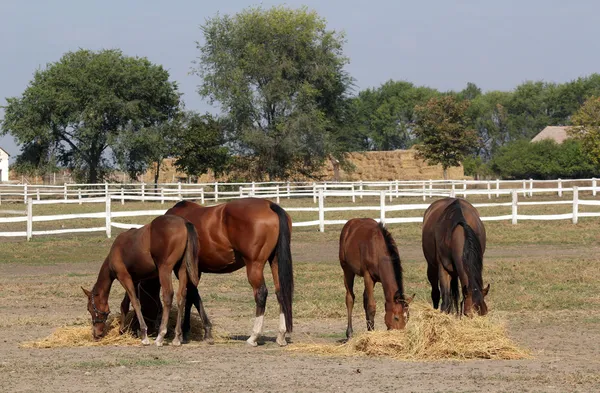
[(257, 280), (124, 310), (433, 276), (282, 326), (369, 301), (349, 283), (127, 283), (164, 274), (181, 292), (444, 278)]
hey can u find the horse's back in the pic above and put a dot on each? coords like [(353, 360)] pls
[(358, 244)]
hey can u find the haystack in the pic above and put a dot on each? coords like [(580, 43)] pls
[(430, 335)]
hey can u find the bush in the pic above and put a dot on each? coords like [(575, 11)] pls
[(542, 160)]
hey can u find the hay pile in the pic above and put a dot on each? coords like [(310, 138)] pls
[(81, 335), (430, 335)]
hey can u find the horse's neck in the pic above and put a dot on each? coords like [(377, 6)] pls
[(388, 278), (104, 281)]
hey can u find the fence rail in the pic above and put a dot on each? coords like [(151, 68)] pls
[(321, 209)]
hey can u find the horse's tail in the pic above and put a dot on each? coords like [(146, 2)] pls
[(284, 264), (191, 253), (454, 293)]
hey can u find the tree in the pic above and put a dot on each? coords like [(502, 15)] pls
[(199, 145), (278, 74), (80, 105), (586, 128), (442, 128)]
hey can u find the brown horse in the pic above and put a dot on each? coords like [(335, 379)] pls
[(168, 243), (368, 250), (244, 232), (454, 244)]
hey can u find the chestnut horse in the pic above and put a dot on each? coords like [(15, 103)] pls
[(244, 232), (168, 243), (453, 244), (368, 250)]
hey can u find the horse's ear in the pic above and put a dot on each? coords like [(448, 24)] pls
[(410, 299), (87, 293), (486, 290)]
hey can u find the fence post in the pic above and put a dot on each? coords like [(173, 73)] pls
[(530, 188), (430, 188), (24, 193), (594, 186), (423, 187), (453, 192), (277, 192), (489, 187), (241, 191), (65, 191), (497, 188), (122, 196), (515, 201), (524, 189), (353, 194), (360, 189), (315, 192), (107, 211), (397, 189), (105, 189), (321, 212), (382, 208), (37, 191), (216, 191), (143, 192), (560, 187), (162, 195), (465, 189), (575, 204), (79, 195), (179, 189), (29, 218), (253, 189), (202, 195), (391, 192), (289, 190)]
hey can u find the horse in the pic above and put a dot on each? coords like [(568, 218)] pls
[(453, 240), (167, 244), (367, 249), (243, 232)]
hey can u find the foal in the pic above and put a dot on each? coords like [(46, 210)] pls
[(368, 250), (156, 249)]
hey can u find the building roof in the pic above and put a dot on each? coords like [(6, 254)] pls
[(4, 151), (556, 133)]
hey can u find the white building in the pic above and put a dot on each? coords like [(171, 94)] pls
[(3, 165)]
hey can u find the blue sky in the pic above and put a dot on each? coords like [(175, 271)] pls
[(441, 44)]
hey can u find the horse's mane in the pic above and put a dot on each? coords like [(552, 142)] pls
[(395, 256), (472, 255)]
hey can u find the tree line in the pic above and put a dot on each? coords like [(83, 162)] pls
[(287, 106)]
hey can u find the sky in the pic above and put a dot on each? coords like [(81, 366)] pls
[(441, 44)]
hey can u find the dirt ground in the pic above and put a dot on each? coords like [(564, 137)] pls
[(565, 345)]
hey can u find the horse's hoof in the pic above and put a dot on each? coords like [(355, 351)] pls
[(146, 341), (158, 343), (281, 341), (251, 342), (176, 342)]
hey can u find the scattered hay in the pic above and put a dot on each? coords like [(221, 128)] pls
[(81, 335), (430, 335)]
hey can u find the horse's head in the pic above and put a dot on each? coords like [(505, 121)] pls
[(99, 313), (396, 312), (474, 301)]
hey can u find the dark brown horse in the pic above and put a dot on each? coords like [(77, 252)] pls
[(454, 244), (167, 244), (368, 250), (244, 232)]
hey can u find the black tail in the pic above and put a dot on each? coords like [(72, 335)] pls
[(395, 256), (191, 254), (455, 293), (284, 263)]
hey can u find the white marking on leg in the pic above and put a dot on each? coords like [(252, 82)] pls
[(281, 335), (256, 330)]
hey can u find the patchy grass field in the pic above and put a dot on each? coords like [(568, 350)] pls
[(544, 283)]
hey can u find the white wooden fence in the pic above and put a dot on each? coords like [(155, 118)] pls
[(214, 192), (321, 209)]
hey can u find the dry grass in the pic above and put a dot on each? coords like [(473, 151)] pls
[(430, 335)]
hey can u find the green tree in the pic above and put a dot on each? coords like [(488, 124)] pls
[(199, 145), (490, 118), (586, 128), (442, 128), (80, 105), (278, 74)]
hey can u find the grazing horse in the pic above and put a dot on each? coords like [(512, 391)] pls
[(244, 232), (167, 244), (368, 250), (453, 243)]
